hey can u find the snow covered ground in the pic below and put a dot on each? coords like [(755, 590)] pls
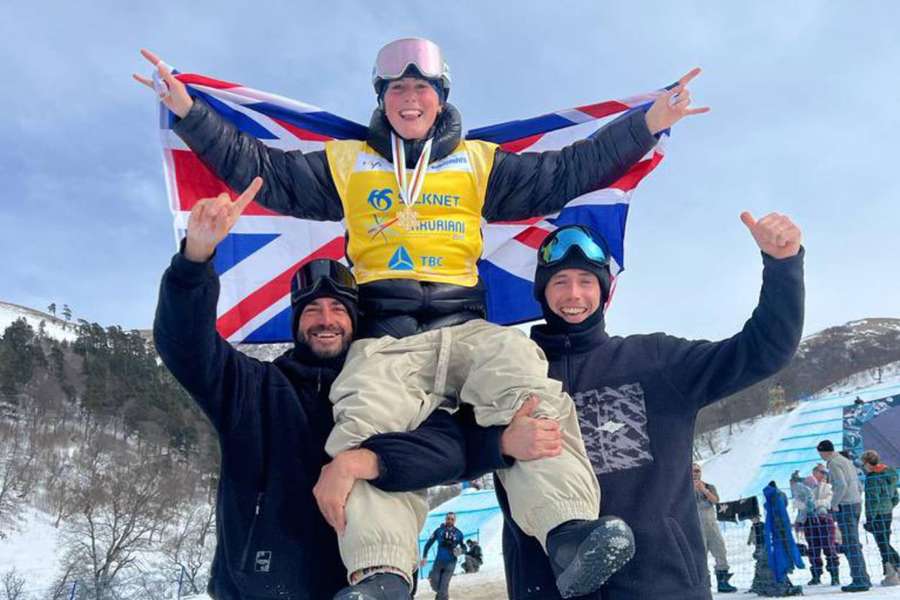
[(31, 551)]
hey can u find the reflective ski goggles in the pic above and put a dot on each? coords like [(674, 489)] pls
[(313, 275), (394, 59), (557, 245)]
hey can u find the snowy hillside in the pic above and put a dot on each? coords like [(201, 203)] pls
[(55, 328)]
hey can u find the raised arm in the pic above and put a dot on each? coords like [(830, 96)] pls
[(706, 371), (184, 330), (540, 183), (297, 183)]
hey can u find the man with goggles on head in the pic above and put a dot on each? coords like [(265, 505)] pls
[(272, 420), (414, 240), (637, 399)]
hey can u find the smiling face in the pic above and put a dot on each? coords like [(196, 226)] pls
[(326, 327), (411, 106), (573, 294)]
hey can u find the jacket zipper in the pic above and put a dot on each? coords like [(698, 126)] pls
[(257, 509), (568, 382)]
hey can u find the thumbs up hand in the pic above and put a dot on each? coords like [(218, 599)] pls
[(775, 234)]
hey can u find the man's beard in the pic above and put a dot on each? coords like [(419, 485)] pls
[(317, 350)]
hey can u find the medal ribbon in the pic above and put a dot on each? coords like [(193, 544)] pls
[(409, 192)]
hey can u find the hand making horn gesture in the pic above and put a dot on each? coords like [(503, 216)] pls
[(212, 218), (775, 234), (171, 92), (673, 105)]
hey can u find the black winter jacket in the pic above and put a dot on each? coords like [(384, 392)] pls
[(272, 419), (520, 186), (637, 399)]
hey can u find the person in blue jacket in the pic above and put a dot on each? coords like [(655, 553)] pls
[(450, 546), (637, 399), (272, 419)]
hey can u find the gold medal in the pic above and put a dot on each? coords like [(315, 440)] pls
[(407, 218)]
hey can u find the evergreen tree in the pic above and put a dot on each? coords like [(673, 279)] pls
[(20, 353)]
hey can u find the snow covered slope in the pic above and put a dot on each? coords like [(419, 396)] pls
[(55, 328)]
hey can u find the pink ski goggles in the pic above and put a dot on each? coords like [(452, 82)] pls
[(394, 59)]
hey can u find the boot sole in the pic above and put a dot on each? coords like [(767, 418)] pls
[(599, 556)]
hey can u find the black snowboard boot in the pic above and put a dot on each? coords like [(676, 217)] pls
[(584, 554), (816, 577), (381, 586), (722, 578), (835, 577)]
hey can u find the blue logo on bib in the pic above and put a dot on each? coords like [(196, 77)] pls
[(380, 199), (400, 261)]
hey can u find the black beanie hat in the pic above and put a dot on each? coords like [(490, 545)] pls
[(326, 288), (825, 446), (574, 259)]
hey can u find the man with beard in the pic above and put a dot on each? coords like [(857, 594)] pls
[(637, 399), (272, 420)]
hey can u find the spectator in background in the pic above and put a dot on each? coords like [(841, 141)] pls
[(881, 498), (824, 533), (812, 500), (474, 558), (450, 546), (707, 499), (846, 502)]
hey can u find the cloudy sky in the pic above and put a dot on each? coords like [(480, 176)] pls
[(805, 99)]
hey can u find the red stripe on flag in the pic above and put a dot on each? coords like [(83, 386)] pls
[(521, 144), (603, 109), (303, 134), (189, 78), (636, 173), (530, 221), (274, 290), (195, 181), (532, 237)]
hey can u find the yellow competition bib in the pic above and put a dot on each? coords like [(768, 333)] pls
[(442, 244)]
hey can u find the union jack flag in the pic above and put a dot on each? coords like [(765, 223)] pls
[(256, 260)]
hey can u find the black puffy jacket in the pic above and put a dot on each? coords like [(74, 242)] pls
[(520, 186)]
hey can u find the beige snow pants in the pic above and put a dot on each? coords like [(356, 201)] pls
[(390, 384)]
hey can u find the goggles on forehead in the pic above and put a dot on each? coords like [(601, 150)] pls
[(558, 244), (316, 273), (394, 59)]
